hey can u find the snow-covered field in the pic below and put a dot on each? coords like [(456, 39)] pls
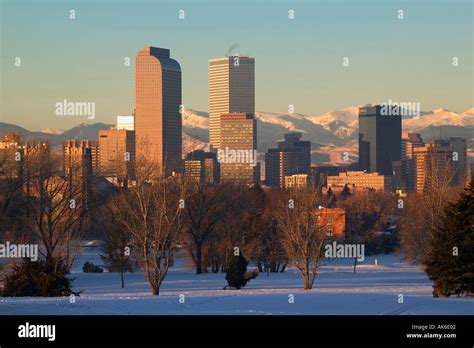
[(372, 290)]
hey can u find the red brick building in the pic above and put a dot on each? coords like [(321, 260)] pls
[(333, 220)]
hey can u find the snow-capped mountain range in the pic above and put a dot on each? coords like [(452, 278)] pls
[(331, 134), (336, 132)]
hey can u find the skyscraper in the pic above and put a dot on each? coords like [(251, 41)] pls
[(231, 89), (433, 166), (80, 164), (238, 153), (158, 124), (409, 142), (379, 139), (459, 148), (292, 156), (80, 157), (202, 166), (117, 153)]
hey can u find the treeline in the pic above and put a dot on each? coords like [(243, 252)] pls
[(144, 224)]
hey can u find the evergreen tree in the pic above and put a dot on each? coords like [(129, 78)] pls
[(450, 262), (331, 198), (346, 192), (40, 278), (116, 252)]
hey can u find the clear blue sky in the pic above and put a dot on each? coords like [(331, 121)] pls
[(298, 61)]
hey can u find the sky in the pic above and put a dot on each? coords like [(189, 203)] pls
[(298, 61)]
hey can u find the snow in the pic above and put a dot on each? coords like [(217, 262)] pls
[(372, 290)]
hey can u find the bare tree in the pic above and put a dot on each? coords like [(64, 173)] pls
[(302, 237), (57, 207), (151, 211), (206, 206), (422, 213)]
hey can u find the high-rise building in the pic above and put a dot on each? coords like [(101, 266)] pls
[(202, 166), (231, 89), (379, 139), (238, 153), (117, 153), (81, 163), (409, 142), (76, 157), (293, 156), (158, 123), (433, 166), (459, 148)]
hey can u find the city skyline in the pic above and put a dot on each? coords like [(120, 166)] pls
[(309, 76)]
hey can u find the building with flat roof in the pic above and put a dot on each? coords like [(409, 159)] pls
[(117, 154), (379, 139), (237, 155), (231, 89), (359, 180), (202, 166), (297, 181), (292, 156), (433, 166)]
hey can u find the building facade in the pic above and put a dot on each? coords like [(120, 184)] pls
[(237, 155), (297, 181), (117, 154), (158, 123), (202, 166), (409, 142), (433, 166), (332, 220), (231, 89), (356, 180), (292, 156), (459, 160), (379, 140)]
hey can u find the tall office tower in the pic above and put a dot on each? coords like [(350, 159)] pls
[(238, 153), (231, 89), (433, 166), (117, 153), (379, 139), (202, 166), (77, 154), (409, 142), (293, 156), (459, 147), (80, 163), (158, 124)]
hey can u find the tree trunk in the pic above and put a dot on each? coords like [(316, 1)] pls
[(307, 285), (198, 258), (355, 264), (121, 276)]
